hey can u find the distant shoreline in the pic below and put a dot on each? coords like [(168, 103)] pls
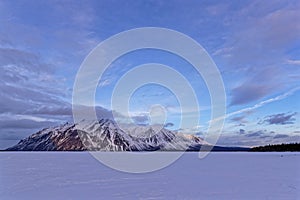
[(291, 147)]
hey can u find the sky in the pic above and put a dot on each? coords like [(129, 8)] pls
[(254, 44)]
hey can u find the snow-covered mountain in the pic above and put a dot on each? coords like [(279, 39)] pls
[(105, 135)]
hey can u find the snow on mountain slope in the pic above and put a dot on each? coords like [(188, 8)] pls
[(105, 135)]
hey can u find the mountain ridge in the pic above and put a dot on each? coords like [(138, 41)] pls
[(105, 135)]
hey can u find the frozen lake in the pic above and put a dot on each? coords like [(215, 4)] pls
[(77, 175)]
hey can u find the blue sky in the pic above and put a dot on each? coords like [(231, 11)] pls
[(255, 44)]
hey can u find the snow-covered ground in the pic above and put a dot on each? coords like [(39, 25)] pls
[(77, 175)]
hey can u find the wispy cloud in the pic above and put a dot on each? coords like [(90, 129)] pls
[(104, 83), (280, 136), (255, 134), (279, 119), (260, 104), (259, 37), (293, 62), (259, 84), (239, 119)]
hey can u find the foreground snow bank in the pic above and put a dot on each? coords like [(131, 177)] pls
[(77, 175)]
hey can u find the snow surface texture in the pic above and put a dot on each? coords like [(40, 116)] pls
[(77, 175)]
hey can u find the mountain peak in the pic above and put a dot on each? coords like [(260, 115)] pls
[(105, 135)]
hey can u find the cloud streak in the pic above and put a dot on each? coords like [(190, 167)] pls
[(279, 119), (260, 104)]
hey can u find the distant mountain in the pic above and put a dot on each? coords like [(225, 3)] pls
[(105, 135)]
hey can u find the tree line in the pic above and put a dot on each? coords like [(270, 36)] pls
[(278, 147)]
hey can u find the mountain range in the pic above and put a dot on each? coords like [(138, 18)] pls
[(105, 135)]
